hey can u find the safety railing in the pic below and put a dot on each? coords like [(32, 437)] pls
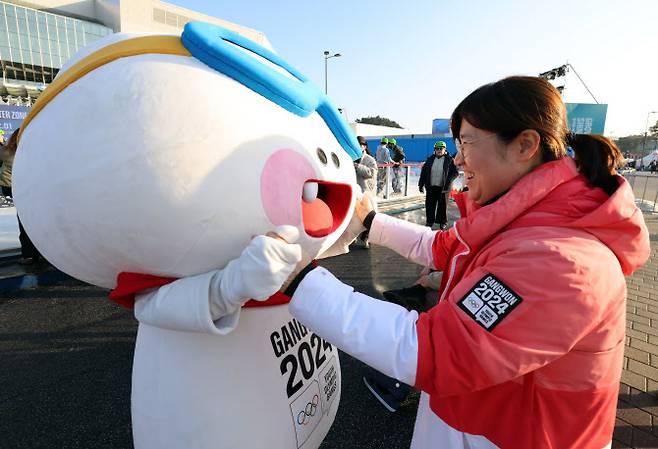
[(397, 181), (645, 188)]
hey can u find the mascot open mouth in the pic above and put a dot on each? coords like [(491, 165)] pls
[(324, 206)]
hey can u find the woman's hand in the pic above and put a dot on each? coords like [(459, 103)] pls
[(363, 207)]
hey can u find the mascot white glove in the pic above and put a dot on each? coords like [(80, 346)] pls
[(258, 273)]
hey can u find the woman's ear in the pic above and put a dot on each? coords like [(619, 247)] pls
[(528, 145)]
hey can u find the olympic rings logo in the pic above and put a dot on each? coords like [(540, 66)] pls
[(304, 417)]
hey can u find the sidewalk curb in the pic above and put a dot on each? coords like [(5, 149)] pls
[(32, 280)]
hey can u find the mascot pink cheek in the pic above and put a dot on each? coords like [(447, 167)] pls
[(281, 185)]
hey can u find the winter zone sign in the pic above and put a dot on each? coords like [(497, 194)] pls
[(310, 367), (11, 117)]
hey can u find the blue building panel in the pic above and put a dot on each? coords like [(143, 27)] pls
[(416, 148)]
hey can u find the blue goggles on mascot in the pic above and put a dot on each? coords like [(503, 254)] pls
[(229, 53)]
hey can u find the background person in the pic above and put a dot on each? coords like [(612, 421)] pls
[(29, 253), (366, 176), (436, 177), (398, 159), (383, 156), (525, 346)]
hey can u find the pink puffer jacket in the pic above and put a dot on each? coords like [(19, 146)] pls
[(526, 344)]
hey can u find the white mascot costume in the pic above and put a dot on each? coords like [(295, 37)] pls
[(155, 160)]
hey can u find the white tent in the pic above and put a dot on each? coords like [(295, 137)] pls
[(653, 156)]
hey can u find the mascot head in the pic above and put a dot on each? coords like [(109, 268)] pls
[(164, 155)]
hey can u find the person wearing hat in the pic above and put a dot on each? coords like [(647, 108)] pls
[(366, 174), (398, 159), (436, 176), (383, 157)]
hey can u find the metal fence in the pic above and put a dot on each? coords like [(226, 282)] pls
[(402, 180), (645, 188)]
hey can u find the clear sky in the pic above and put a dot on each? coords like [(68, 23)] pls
[(413, 61)]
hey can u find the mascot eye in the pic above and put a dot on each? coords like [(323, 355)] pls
[(335, 159), (322, 156)]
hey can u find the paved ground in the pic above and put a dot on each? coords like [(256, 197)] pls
[(66, 356), (637, 410)]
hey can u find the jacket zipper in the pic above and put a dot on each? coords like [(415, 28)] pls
[(453, 266)]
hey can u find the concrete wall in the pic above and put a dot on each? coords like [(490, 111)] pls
[(157, 16), (137, 15)]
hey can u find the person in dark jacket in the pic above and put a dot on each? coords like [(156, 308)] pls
[(436, 176), (398, 159)]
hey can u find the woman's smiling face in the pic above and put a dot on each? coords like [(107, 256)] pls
[(483, 158)]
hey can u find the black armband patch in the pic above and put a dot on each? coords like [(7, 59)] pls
[(489, 302), (367, 222)]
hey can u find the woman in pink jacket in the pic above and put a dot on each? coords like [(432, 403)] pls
[(524, 348)]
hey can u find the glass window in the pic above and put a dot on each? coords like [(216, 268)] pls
[(11, 23), (54, 48), (79, 35), (4, 41), (64, 52), (48, 59), (10, 10), (32, 22), (13, 40), (41, 31), (23, 41), (22, 22), (61, 30)]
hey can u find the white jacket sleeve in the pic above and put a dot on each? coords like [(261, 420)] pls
[(379, 333), (409, 240)]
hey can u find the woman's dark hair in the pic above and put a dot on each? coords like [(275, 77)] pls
[(12, 143), (514, 104)]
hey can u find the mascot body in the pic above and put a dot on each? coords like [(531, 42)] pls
[(165, 155)]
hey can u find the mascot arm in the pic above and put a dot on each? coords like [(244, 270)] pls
[(211, 302), (185, 305), (410, 240), (379, 333)]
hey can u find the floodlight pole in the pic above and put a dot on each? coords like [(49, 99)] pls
[(326, 57), (644, 141)]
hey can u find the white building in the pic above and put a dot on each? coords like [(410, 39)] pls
[(38, 36)]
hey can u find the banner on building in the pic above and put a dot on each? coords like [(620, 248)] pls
[(441, 126), (586, 118), (11, 117)]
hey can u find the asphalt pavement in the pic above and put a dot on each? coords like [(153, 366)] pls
[(66, 359)]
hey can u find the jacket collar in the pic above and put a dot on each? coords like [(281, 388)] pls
[(482, 222)]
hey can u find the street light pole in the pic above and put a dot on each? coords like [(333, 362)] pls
[(644, 141), (326, 57)]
